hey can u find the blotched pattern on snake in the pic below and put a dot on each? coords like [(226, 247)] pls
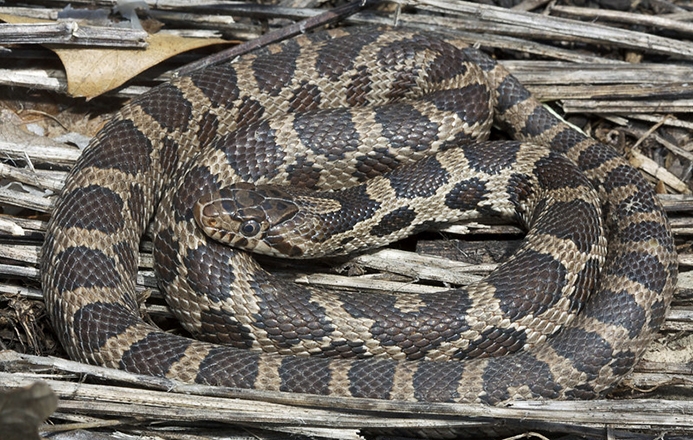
[(339, 108)]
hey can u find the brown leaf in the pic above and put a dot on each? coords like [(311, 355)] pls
[(92, 72)]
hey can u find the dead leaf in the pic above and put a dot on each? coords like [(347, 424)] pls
[(92, 72)]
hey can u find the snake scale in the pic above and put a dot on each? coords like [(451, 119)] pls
[(341, 107)]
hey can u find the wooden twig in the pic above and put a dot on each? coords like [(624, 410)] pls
[(71, 33), (173, 403), (524, 23), (661, 23), (283, 33)]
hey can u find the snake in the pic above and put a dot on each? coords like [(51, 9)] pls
[(377, 123)]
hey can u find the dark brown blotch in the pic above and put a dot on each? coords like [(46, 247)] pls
[(85, 267), (337, 56), (647, 230), (137, 207), (437, 381), (356, 206), (207, 131), (127, 257), (120, 146), (305, 375), (470, 103), (520, 189), (574, 340), (439, 320), (249, 111), (209, 274), (155, 354), (621, 309), (641, 268), (197, 182), (97, 322), (595, 156), (219, 84), (510, 92), (538, 122), (523, 292), (168, 156), (485, 62), (345, 349), (168, 106), (406, 127), (585, 285), (449, 61), (329, 133), (566, 139), (372, 379), (166, 256), (492, 157), (304, 98), (252, 152), (506, 373), (494, 342), (420, 179), (290, 315), (230, 367), (221, 327), (273, 69), (467, 194), (557, 172), (359, 87), (377, 162), (93, 208), (304, 173), (582, 226), (393, 222)]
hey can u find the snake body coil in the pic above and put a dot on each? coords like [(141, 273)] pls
[(327, 110)]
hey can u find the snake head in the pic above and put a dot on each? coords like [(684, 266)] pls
[(242, 215)]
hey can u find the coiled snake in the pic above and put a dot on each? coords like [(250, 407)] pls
[(341, 107)]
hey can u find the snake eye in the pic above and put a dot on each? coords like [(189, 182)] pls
[(250, 228)]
